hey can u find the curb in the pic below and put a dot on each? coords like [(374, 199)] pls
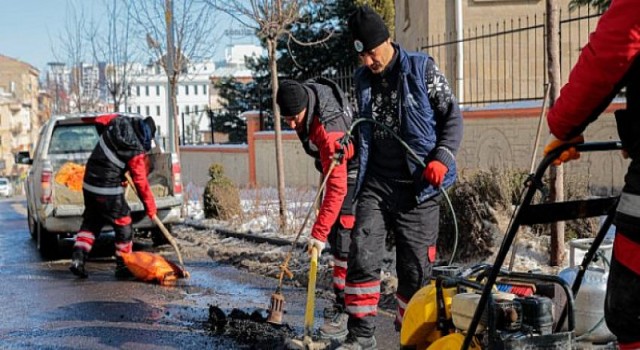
[(244, 236)]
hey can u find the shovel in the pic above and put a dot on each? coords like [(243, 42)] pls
[(160, 225), (307, 342), (276, 305), (311, 299)]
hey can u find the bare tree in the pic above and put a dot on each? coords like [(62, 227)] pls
[(271, 20), (110, 43), (556, 174), (83, 90), (189, 31)]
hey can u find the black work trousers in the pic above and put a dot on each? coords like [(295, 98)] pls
[(102, 210), (388, 207)]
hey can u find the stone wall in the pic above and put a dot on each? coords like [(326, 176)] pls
[(493, 139)]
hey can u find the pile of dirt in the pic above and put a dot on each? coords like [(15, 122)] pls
[(249, 328)]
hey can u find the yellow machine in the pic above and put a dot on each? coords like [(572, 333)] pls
[(419, 325)]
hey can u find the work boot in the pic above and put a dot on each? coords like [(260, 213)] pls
[(359, 343), (122, 271), (77, 263), (335, 324)]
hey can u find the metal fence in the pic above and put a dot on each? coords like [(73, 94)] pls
[(506, 62)]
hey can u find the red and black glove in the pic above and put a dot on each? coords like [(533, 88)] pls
[(434, 172), (344, 149)]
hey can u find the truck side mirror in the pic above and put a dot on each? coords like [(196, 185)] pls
[(23, 157)]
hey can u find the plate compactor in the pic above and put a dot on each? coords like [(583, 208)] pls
[(488, 307)]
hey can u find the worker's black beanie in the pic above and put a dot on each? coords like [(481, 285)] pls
[(152, 126), (292, 98), (367, 28)]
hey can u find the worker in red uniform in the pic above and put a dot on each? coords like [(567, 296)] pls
[(321, 115), (609, 62), (122, 148)]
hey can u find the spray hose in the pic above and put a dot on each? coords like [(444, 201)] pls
[(348, 136), (337, 158)]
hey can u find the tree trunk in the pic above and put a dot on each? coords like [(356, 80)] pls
[(271, 45), (174, 104), (556, 174)]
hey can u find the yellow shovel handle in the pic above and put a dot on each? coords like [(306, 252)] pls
[(311, 294)]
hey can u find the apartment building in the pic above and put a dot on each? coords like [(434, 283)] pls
[(20, 117), (147, 92)]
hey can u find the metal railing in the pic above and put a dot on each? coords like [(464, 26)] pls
[(506, 62)]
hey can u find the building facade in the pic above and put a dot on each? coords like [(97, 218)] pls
[(20, 117), (147, 92), (196, 93), (492, 51)]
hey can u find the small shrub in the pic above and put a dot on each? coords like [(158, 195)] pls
[(484, 199), (477, 199), (221, 197)]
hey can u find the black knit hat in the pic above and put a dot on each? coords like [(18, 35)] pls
[(152, 126), (367, 28), (292, 98)]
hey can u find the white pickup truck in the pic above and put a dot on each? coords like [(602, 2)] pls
[(54, 200)]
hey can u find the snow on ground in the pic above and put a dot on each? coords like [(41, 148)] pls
[(260, 217)]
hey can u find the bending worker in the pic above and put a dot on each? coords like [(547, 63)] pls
[(609, 62), (320, 114), (122, 147)]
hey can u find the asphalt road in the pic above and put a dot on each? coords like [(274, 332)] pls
[(45, 307)]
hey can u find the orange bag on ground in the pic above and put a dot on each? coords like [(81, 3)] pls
[(149, 267)]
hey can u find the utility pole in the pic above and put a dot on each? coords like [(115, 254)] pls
[(171, 119)]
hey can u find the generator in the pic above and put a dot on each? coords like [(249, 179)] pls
[(488, 307)]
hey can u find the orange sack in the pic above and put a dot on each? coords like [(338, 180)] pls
[(71, 175), (149, 267)]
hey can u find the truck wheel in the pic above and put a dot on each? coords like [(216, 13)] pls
[(158, 237), (47, 242), (33, 231)]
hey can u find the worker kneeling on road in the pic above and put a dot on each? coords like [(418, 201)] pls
[(320, 114), (122, 147)]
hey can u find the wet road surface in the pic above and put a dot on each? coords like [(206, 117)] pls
[(44, 306)]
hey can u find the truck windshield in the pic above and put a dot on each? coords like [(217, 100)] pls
[(73, 139)]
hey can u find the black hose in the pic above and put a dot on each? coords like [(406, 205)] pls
[(413, 155)]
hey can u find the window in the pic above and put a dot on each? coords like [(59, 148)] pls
[(157, 90), (195, 109), (138, 109), (147, 110), (158, 111), (407, 16), (138, 90), (129, 90), (146, 90), (129, 109), (186, 89), (195, 89), (73, 139), (204, 89), (186, 109)]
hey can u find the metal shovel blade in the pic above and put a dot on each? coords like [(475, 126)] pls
[(276, 308)]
